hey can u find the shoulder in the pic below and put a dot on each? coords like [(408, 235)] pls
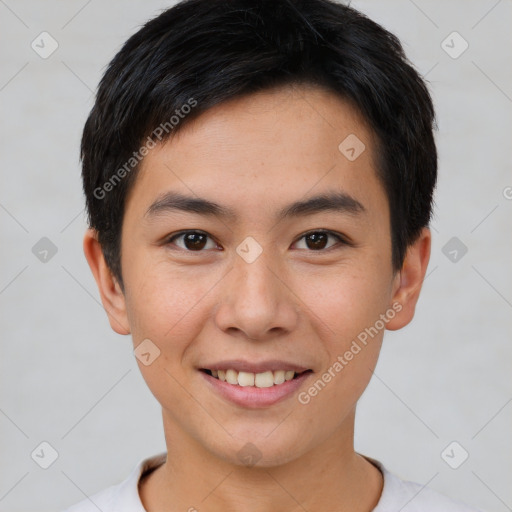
[(122, 497), (406, 496)]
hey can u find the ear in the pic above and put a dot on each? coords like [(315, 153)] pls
[(408, 281), (111, 294)]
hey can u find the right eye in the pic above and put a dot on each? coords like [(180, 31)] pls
[(192, 241)]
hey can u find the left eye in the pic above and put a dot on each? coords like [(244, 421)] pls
[(317, 240)]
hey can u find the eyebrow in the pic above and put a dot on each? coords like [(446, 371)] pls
[(339, 202)]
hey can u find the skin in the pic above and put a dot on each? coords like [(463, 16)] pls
[(256, 155)]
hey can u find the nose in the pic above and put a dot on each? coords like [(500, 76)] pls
[(256, 301)]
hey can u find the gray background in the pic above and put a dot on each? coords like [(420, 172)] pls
[(69, 380)]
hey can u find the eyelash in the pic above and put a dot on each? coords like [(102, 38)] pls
[(340, 238)]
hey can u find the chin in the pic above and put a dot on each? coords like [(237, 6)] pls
[(261, 450)]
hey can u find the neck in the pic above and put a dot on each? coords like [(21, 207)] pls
[(331, 476)]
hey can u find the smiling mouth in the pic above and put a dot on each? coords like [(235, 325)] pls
[(259, 380)]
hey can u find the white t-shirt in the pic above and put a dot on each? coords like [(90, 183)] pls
[(397, 495)]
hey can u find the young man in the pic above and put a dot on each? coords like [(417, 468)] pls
[(259, 180)]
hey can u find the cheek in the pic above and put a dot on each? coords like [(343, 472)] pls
[(351, 303), (348, 308), (344, 301), (163, 305), (167, 308)]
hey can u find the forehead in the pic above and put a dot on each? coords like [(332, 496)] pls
[(255, 151)]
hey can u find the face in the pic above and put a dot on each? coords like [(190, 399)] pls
[(232, 269)]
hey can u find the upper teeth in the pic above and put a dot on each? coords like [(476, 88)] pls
[(259, 380)]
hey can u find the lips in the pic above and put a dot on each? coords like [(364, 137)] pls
[(253, 384), (263, 374), (257, 392)]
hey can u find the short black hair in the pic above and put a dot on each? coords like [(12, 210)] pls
[(200, 53)]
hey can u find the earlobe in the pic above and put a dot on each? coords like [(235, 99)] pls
[(112, 297), (409, 280)]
